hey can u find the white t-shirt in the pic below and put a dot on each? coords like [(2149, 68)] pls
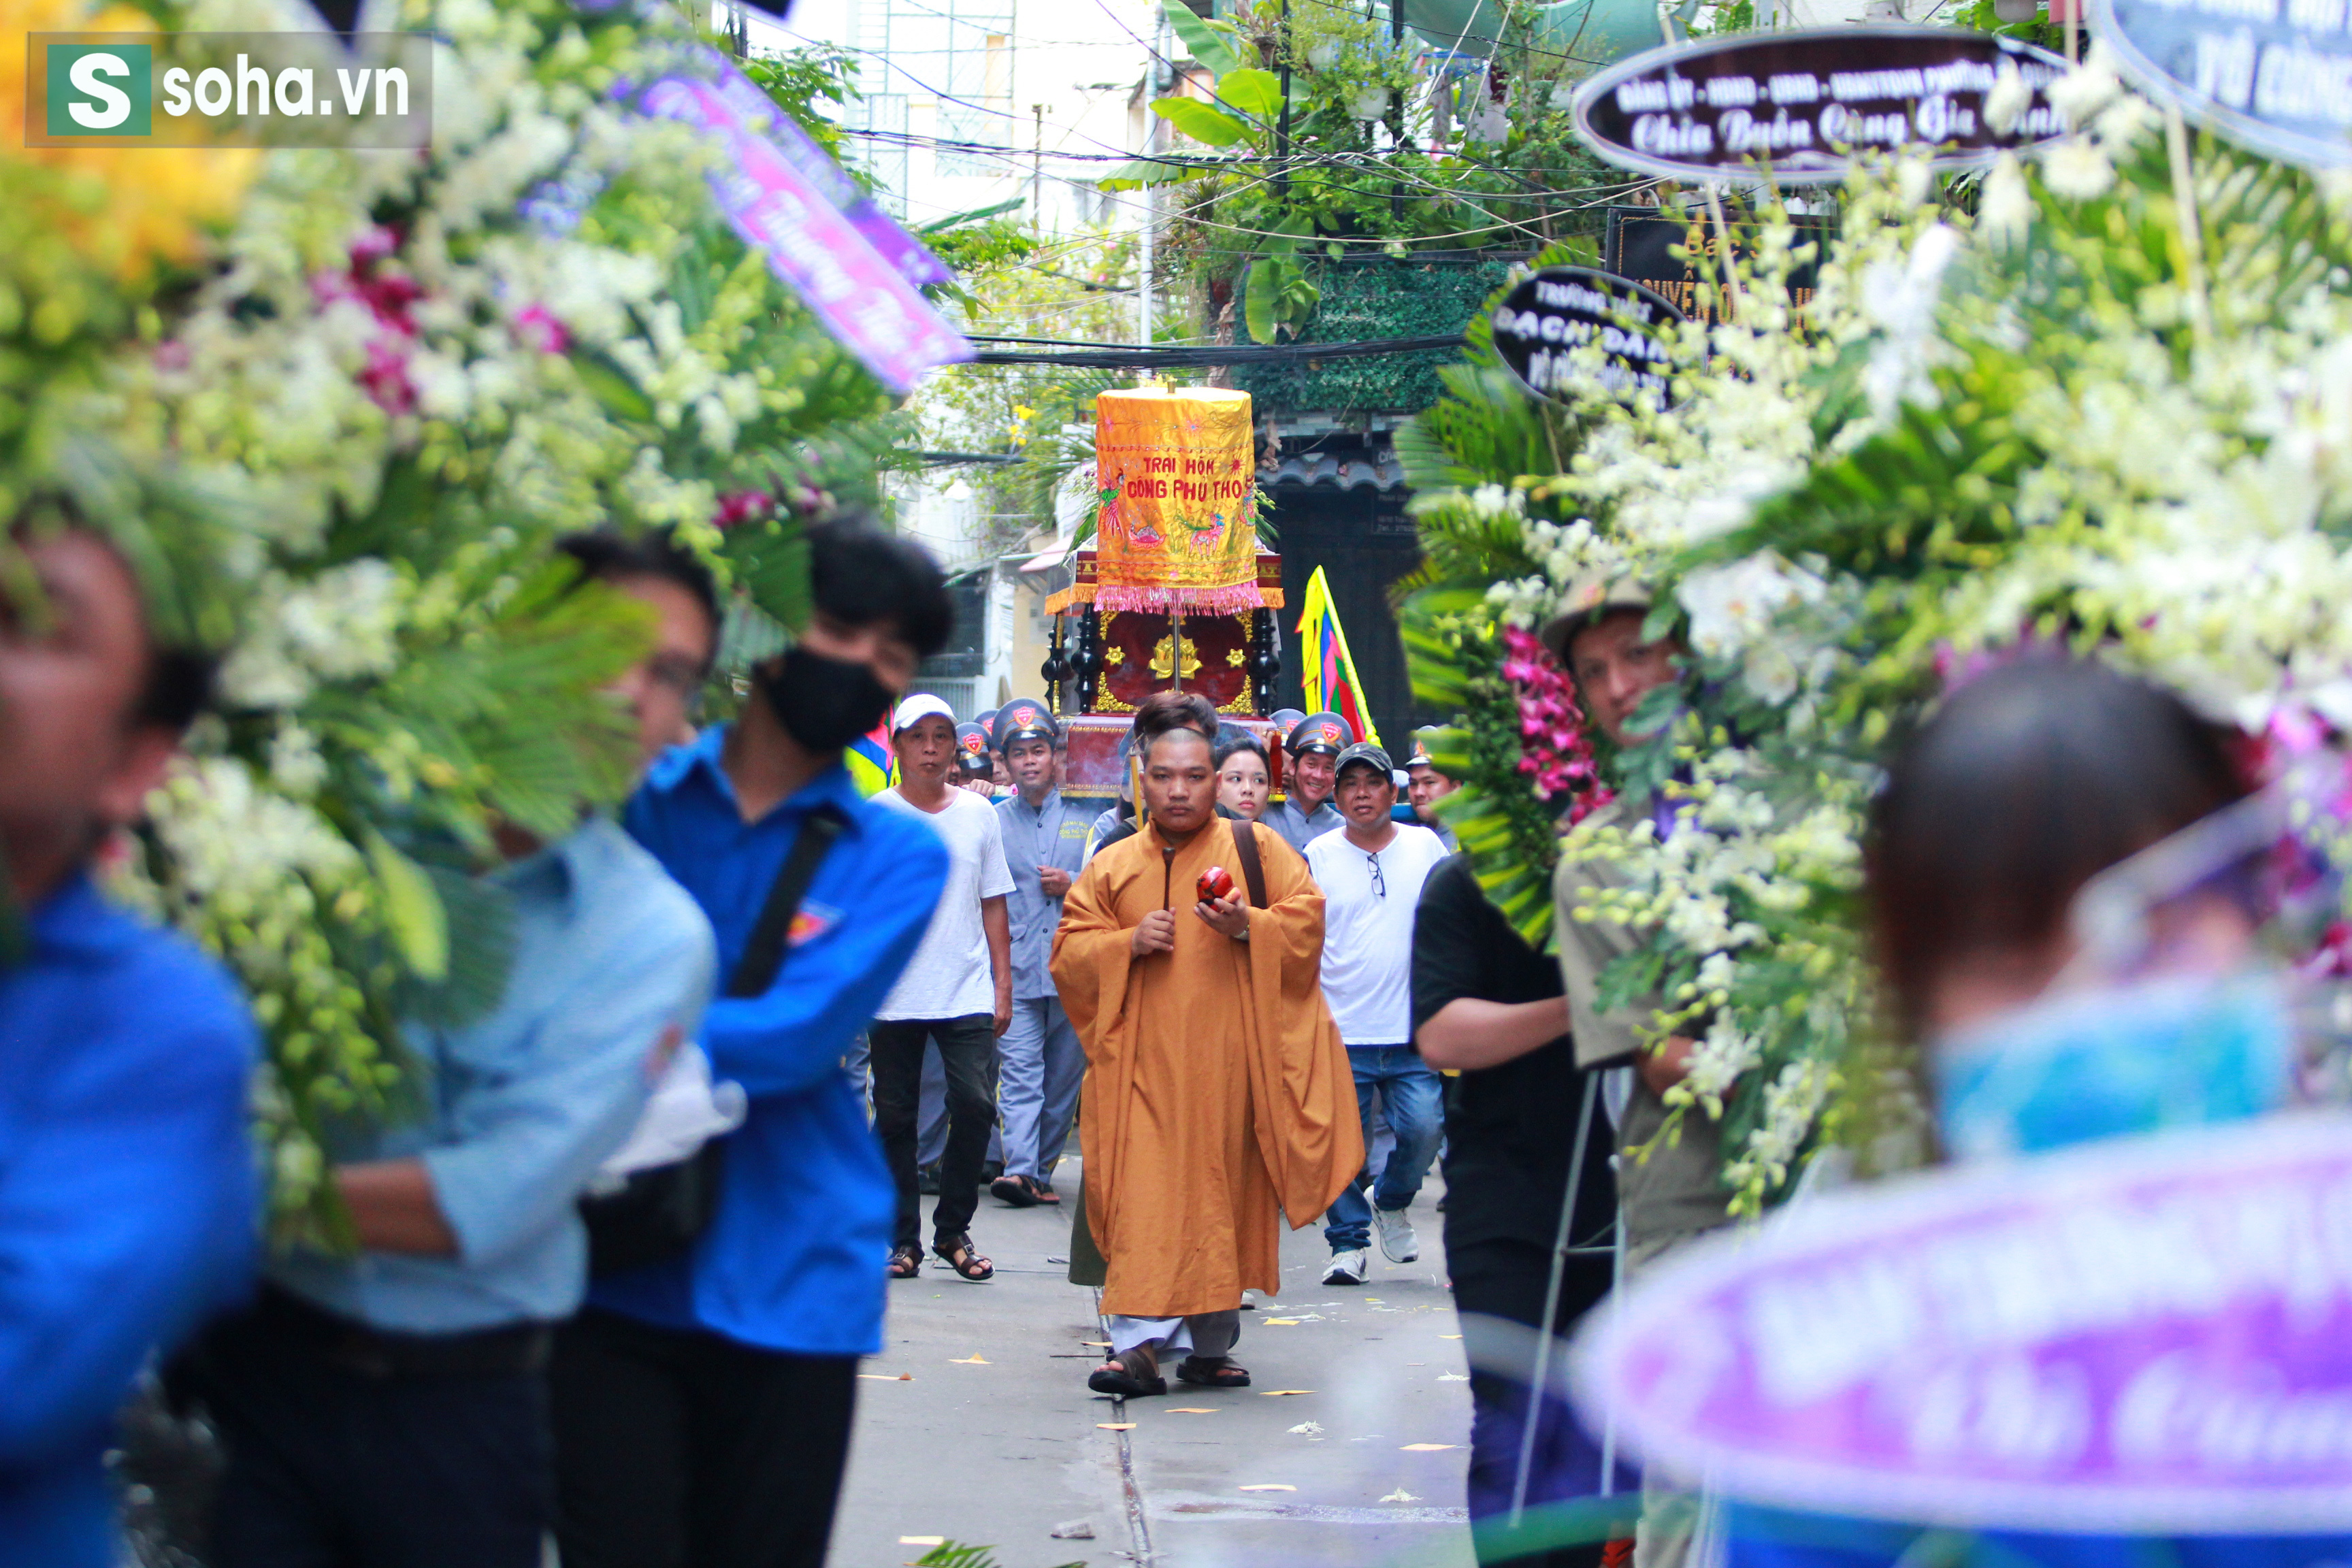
[(949, 976), (1368, 933)]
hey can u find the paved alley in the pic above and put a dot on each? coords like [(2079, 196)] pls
[(975, 1424)]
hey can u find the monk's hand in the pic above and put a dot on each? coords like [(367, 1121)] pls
[(1156, 934), (1225, 916)]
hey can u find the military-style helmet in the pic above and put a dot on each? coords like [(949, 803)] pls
[(1325, 732), (1024, 719), (972, 750)]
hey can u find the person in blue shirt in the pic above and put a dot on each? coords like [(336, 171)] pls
[(703, 1407), (129, 1199), (390, 1408), (1042, 1061)]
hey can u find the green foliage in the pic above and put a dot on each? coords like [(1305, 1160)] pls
[(1374, 296), (1359, 163), (813, 84), (956, 1554), (1077, 289), (1202, 122)]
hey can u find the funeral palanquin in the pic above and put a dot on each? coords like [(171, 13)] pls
[(1175, 594)]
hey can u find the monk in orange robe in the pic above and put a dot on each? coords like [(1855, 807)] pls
[(1217, 1093)]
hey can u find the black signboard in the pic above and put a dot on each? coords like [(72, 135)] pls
[(1553, 312), (1640, 242), (2277, 78), (1805, 103)]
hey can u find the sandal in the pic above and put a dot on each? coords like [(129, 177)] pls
[(1022, 1192), (905, 1260), (958, 1251), (1129, 1375), (1211, 1371), (1013, 1191)]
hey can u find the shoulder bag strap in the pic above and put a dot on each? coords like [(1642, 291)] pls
[(1253, 868), (764, 953)]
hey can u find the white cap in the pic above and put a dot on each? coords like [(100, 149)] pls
[(916, 708)]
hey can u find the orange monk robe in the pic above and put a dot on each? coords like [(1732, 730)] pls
[(1217, 1091)]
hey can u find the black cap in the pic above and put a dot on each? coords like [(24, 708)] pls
[(1326, 732), (1024, 719), (972, 749), (1368, 754)]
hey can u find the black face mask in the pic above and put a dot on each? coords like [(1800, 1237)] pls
[(823, 703)]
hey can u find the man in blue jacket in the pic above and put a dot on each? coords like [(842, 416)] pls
[(128, 1200), (703, 1407)]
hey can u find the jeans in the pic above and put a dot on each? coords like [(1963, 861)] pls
[(1037, 1091), (967, 1048), (1505, 1280), (679, 1448), (1413, 1096)]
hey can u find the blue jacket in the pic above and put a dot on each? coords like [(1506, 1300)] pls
[(794, 1259), (128, 1198), (524, 1103)]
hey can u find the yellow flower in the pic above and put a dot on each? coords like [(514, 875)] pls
[(121, 210)]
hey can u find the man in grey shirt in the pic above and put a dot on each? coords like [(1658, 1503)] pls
[(1305, 813), (1041, 1061)]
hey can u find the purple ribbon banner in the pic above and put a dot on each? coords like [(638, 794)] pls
[(862, 292), (914, 261), (2144, 1336)]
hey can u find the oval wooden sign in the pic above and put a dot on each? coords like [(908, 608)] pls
[(1804, 104)]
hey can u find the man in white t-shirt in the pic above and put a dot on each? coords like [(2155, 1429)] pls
[(956, 991), (1370, 872)]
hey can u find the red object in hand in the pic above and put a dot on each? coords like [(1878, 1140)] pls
[(1215, 885)]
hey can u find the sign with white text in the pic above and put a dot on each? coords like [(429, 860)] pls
[(1552, 314), (2143, 1336), (2273, 76), (1805, 104)]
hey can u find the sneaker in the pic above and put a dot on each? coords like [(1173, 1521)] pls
[(1398, 1243), (1348, 1267)]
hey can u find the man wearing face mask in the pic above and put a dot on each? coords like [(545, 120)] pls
[(713, 1425)]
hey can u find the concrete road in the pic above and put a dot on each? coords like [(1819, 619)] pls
[(976, 1424)]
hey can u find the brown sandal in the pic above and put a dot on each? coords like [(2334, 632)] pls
[(905, 1260), (967, 1263), (1129, 1375), (1211, 1371)]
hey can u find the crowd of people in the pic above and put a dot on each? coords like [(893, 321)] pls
[(613, 1279)]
